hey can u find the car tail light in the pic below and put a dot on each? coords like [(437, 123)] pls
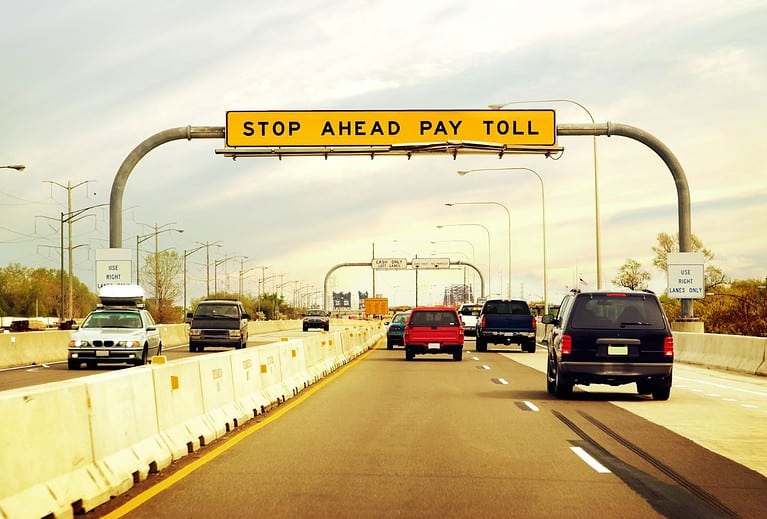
[(566, 345), (482, 322), (535, 323), (668, 346)]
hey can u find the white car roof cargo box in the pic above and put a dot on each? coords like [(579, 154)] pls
[(121, 295)]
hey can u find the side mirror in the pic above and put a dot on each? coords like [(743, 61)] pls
[(246, 316), (189, 315), (549, 319)]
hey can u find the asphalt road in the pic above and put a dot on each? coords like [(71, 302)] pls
[(476, 438)]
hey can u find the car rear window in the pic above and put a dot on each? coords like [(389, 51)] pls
[(616, 311), (507, 307), (434, 318), (470, 310)]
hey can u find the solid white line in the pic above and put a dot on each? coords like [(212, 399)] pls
[(532, 406), (590, 461)]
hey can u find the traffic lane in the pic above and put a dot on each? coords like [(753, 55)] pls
[(723, 411), (25, 376), (434, 437)]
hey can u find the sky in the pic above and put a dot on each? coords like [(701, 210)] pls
[(85, 82)]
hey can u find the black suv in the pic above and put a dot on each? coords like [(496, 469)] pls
[(316, 318), (610, 337), (218, 322)]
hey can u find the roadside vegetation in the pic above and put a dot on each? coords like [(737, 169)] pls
[(737, 307)]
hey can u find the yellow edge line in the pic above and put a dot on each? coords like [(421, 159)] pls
[(228, 444)]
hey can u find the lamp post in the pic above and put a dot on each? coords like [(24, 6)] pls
[(207, 246), (489, 272), (596, 174), (543, 225), (17, 167), (188, 253), (70, 218), (140, 239), (508, 215), (215, 269)]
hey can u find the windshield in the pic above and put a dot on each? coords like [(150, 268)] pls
[(213, 311), (400, 318), (112, 319), (316, 313)]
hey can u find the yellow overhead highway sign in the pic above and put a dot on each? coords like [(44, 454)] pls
[(389, 127)]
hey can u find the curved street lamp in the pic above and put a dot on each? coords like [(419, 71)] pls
[(543, 225), (596, 175), (508, 215), (489, 272), (17, 167)]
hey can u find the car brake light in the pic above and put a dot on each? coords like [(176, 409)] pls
[(482, 322), (535, 324), (566, 345), (668, 346), (615, 294)]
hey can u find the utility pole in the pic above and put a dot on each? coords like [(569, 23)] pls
[(69, 187)]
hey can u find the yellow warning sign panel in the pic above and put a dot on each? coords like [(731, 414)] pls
[(389, 127)]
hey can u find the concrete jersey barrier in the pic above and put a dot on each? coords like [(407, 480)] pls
[(123, 425)]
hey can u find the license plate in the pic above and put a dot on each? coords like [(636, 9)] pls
[(617, 350), (102, 353), (433, 345)]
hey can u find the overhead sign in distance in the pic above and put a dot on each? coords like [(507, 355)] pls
[(389, 263), (430, 263), (389, 127)]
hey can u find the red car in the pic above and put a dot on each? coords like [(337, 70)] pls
[(433, 329)]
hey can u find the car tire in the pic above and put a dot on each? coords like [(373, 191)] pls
[(550, 377), (661, 392), (409, 354), (73, 364), (458, 355), (481, 344), (644, 387), (144, 356), (530, 347), (563, 386), (327, 328), (389, 345), (306, 328)]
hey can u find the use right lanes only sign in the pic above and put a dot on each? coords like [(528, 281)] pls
[(686, 277)]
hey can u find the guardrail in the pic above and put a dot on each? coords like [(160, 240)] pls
[(41, 347), (113, 429), (730, 352)]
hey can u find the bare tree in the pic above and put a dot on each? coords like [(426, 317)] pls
[(163, 270)]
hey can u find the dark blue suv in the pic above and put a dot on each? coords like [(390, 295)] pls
[(610, 337)]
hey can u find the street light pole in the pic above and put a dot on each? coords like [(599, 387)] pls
[(543, 225), (141, 239), (508, 215), (489, 271), (188, 253), (596, 173)]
